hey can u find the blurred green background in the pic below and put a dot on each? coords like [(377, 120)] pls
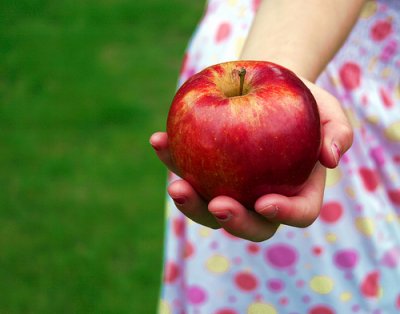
[(82, 86)]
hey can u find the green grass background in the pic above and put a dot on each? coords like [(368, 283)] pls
[(82, 86)]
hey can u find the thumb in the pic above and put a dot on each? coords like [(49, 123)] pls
[(337, 133)]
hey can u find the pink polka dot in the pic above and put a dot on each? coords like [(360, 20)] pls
[(246, 281), (346, 259), (381, 29), (284, 301), (321, 309), (370, 178), (391, 258), (223, 32), (275, 285), (255, 5), (389, 51), (377, 153), (370, 284), (171, 272), (398, 301), (281, 255), (350, 75), (394, 196), (196, 295), (226, 311), (331, 212)]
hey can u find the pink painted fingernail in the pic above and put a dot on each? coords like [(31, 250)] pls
[(269, 211), (336, 152), (223, 216), (180, 200)]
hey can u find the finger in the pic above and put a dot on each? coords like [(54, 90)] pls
[(191, 204), (239, 221), (336, 129), (300, 210), (159, 141)]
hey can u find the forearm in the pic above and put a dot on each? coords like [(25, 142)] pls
[(302, 35)]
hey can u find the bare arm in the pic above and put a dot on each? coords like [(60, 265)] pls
[(302, 35)]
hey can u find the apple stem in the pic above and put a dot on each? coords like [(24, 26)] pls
[(242, 74)]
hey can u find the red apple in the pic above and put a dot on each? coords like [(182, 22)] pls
[(244, 129)]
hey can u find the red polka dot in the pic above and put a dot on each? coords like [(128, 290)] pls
[(386, 98), (188, 250), (178, 225), (398, 302), (370, 178), (171, 273), (317, 250), (223, 32), (226, 311), (394, 196), (350, 75), (253, 248), (381, 29), (246, 281), (370, 285), (321, 309), (331, 212)]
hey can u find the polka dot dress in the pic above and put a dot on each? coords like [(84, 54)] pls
[(348, 261)]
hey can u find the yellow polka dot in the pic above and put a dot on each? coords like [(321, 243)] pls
[(392, 132), (308, 266), (390, 217), (163, 307), (345, 296), (331, 237), (369, 9), (204, 232), (397, 91), (350, 192), (232, 2), (365, 225), (386, 72), (321, 284), (372, 119), (261, 308), (333, 176), (372, 63), (217, 264)]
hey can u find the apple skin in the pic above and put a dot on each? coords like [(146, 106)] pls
[(267, 140)]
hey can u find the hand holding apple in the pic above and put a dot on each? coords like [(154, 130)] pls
[(270, 209), (244, 129)]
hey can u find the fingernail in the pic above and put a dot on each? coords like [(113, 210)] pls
[(223, 216), (157, 148), (179, 200), (269, 211), (336, 152)]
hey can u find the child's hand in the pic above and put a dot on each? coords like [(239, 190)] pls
[(273, 209)]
